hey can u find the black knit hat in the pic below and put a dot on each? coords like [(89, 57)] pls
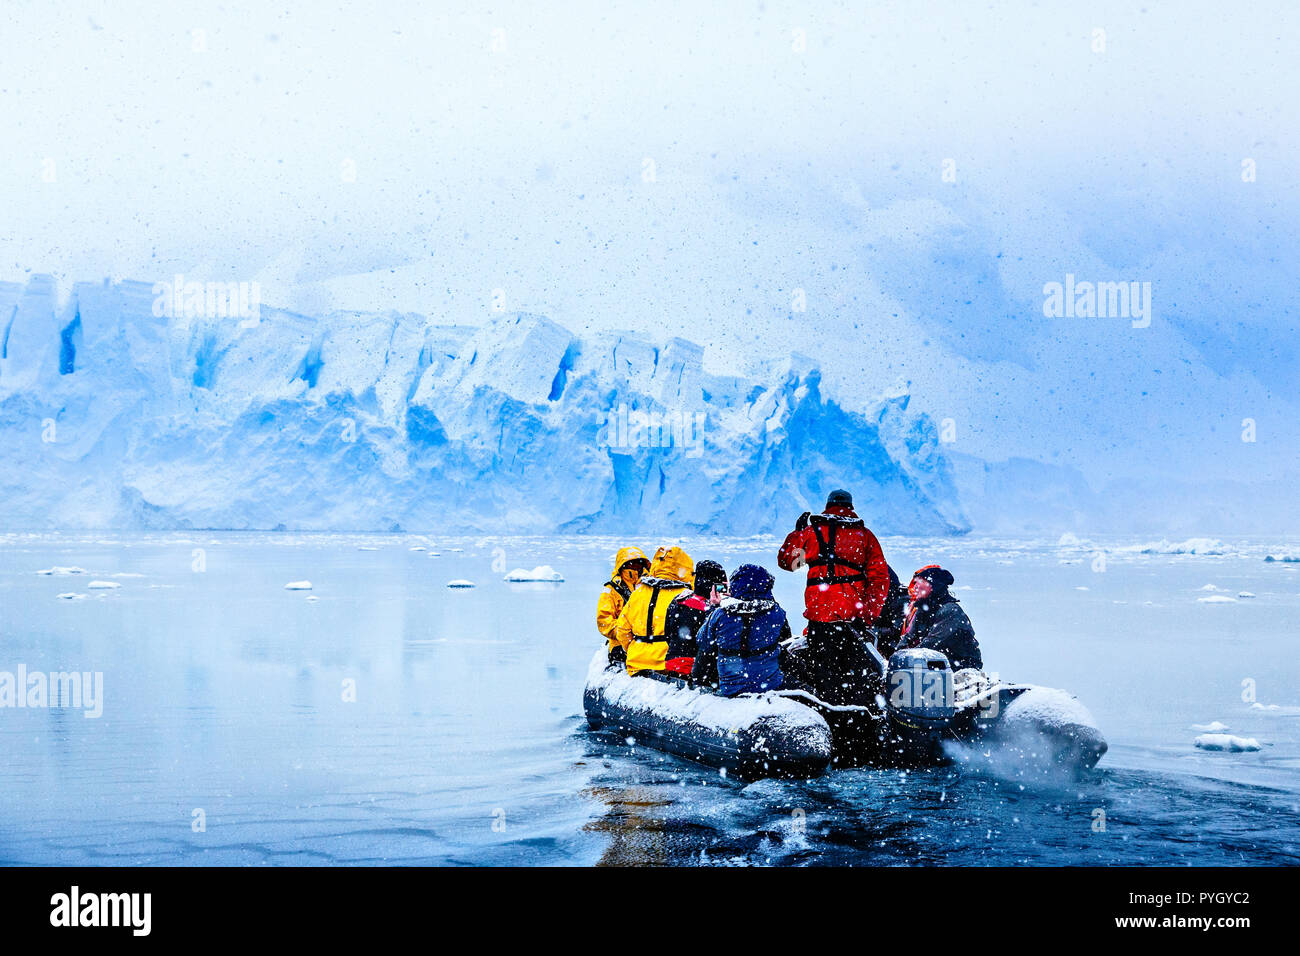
[(708, 574), (839, 498), (939, 579)]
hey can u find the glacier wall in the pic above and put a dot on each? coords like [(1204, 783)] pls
[(112, 417)]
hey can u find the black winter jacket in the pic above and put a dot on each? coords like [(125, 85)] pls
[(940, 624)]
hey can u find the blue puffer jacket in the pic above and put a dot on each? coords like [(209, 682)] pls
[(738, 644)]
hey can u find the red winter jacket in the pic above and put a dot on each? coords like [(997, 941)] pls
[(855, 585)]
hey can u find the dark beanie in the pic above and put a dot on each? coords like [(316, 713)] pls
[(939, 579), (707, 574), (839, 498)]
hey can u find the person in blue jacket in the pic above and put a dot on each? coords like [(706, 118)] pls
[(738, 646)]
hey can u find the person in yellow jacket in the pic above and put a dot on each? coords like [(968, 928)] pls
[(640, 628), (629, 564)]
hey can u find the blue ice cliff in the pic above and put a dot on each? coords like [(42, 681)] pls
[(113, 417)]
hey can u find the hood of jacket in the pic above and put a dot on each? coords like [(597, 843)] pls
[(749, 582), (673, 564), (623, 557)]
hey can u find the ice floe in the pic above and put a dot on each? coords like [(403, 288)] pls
[(1228, 743), (543, 572), (1200, 546), (298, 586)]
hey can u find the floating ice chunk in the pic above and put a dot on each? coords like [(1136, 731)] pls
[(367, 547), (543, 572), (460, 583), (1217, 599), (1245, 594), (312, 598), (1227, 742), (58, 570), (298, 586), (418, 547), (103, 585), (1211, 587), (1286, 557), (72, 596), (1213, 727), (1284, 710), (1200, 546)]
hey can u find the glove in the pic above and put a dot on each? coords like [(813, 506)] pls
[(803, 521)]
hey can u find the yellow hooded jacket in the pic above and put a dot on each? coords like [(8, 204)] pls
[(616, 591), (640, 628)]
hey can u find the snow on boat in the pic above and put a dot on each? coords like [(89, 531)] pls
[(752, 736), (925, 711)]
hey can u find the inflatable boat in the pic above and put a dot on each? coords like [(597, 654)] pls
[(925, 714)]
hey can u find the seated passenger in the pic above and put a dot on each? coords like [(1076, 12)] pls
[(935, 620), (738, 648), (888, 627), (629, 564), (640, 630), (687, 612)]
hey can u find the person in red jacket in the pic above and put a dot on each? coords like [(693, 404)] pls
[(848, 582)]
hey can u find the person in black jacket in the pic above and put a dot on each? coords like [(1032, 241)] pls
[(687, 613), (935, 620), (889, 625)]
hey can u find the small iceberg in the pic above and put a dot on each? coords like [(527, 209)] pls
[(417, 547), (58, 570), (298, 586), (71, 596), (543, 572), (460, 583), (1197, 546), (1217, 599), (1213, 727), (1285, 557), (312, 598), (1245, 594), (1227, 743), (1285, 710), (103, 585)]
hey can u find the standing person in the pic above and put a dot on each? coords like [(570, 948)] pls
[(687, 612), (848, 582), (629, 564), (640, 630), (740, 642), (935, 620)]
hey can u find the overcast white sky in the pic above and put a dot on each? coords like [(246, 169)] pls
[(507, 150)]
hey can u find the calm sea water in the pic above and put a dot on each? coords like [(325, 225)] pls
[(392, 720)]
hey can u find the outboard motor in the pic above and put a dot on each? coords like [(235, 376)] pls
[(919, 689)]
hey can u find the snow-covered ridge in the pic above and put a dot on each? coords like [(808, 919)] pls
[(113, 417)]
